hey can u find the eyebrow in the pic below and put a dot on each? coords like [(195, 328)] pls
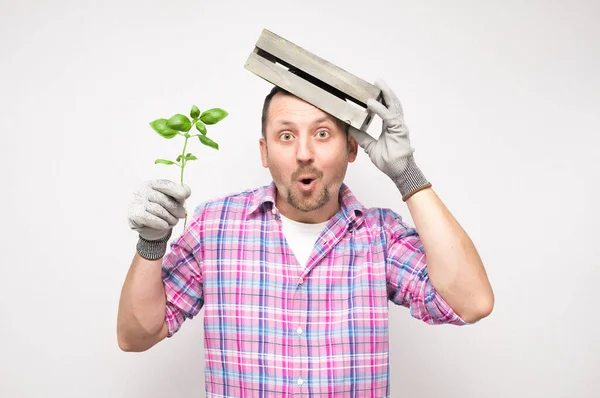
[(318, 121)]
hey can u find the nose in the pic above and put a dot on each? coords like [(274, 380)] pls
[(304, 152)]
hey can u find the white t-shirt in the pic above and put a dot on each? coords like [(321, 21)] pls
[(301, 237)]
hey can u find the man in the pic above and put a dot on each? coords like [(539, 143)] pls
[(295, 276)]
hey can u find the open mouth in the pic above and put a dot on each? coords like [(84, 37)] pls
[(306, 184)]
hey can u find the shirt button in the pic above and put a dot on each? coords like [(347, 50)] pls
[(300, 281), (299, 330), (274, 211), (300, 381)]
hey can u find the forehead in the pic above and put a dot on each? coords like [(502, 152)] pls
[(286, 109)]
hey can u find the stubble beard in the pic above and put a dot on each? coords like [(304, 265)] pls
[(309, 202)]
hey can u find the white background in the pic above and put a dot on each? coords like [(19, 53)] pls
[(502, 102)]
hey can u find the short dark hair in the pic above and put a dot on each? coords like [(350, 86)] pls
[(267, 102)]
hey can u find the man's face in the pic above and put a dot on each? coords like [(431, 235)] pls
[(301, 142)]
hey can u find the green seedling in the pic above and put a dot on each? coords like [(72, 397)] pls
[(180, 124)]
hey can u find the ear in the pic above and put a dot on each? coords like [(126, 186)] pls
[(352, 148), (263, 152)]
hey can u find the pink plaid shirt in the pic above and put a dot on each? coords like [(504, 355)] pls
[(274, 327)]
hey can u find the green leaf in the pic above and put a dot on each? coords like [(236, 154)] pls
[(179, 122), (201, 127), (179, 158), (160, 126), (195, 112), (208, 142), (163, 161), (189, 156), (213, 115)]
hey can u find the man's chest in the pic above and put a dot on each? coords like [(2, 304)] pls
[(322, 325), (259, 277)]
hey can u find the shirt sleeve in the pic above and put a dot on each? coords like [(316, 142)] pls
[(183, 277), (408, 282)]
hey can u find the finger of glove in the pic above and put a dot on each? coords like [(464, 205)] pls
[(391, 122), (380, 110), (140, 218), (363, 139), (159, 211), (167, 202), (176, 191), (390, 98)]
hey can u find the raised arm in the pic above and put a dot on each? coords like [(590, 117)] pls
[(155, 210)]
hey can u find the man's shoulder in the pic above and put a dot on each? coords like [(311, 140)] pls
[(375, 216), (381, 214), (387, 219)]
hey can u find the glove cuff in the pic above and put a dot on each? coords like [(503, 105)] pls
[(411, 180), (153, 249)]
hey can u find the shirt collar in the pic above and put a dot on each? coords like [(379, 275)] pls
[(263, 199)]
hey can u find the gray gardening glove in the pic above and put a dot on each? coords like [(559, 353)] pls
[(392, 152), (155, 209)]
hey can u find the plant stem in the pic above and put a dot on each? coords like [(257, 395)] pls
[(183, 162)]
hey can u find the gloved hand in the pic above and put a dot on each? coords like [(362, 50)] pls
[(155, 209), (392, 152)]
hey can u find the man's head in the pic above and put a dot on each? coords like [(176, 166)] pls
[(300, 140), (265, 110)]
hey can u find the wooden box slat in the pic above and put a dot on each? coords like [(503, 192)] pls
[(284, 50), (313, 79)]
